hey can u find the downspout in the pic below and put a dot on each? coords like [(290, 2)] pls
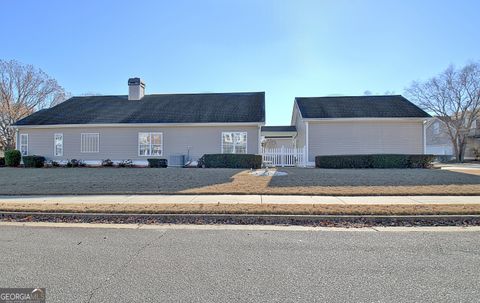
[(306, 142), (16, 139), (259, 139), (424, 137)]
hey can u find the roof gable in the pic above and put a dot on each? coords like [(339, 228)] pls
[(390, 106), (164, 108)]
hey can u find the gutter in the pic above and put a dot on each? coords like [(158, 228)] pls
[(139, 125)]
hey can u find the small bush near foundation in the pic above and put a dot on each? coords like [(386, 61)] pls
[(75, 163), (13, 158), (107, 163), (51, 163), (157, 163), (2, 161), (375, 161), (125, 163), (33, 161), (230, 161)]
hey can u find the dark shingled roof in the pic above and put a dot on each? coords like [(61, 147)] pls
[(286, 128), (164, 108), (391, 106)]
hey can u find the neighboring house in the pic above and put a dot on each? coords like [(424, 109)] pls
[(357, 125), (439, 143), (139, 126)]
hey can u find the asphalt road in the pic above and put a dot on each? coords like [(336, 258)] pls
[(175, 265)]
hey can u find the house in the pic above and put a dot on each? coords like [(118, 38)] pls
[(139, 126), (439, 143), (186, 126), (354, 125)]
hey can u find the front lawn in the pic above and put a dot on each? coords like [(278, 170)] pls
[(23, 181)]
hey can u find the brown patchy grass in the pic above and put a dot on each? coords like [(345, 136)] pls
[(245, 183), (467, 171), (340, 182), (282, 209)]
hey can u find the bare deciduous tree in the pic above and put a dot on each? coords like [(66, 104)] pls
[(24, 89), (454, 97)]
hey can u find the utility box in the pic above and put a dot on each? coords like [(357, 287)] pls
[(176, 160)]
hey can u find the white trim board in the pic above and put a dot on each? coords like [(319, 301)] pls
[(138, 125), (365, 119)]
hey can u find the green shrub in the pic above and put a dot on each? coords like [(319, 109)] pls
[(230, 161), (13, 158), (33, 161), (2, 161), (375, 161), (75, 163), (157, 162), (420, 161), (388, 161)]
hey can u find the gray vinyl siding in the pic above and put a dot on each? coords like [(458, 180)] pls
[(121, 143), (364, 137)]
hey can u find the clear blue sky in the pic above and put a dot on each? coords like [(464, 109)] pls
[(285, 48)]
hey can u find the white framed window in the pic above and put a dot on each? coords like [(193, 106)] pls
[(234, 142), (58, 145), (90, 143), (150, 144), (24, 144)]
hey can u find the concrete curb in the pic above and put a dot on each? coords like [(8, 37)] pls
[(241, 219)]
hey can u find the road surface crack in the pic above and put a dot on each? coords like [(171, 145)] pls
[(123, 266)]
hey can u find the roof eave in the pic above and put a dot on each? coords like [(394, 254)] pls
[(259, 124), (368, 119)]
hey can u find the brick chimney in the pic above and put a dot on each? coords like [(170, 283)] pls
[(136, 89)]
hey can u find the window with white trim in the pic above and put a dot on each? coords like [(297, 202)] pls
[(150, 144), (24, 144), (58, 145), (90, 143), (234, 142)]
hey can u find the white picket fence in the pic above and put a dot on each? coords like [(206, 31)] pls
[(284, 157)]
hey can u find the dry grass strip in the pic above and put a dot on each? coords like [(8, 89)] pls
[(283, 209)]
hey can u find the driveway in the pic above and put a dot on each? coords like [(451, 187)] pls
[(191, 265), (298, 181)]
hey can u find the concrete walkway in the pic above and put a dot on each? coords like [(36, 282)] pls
[(240, 199)]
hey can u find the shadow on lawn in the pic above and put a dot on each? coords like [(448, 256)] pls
[(74, 181), (371, 177)]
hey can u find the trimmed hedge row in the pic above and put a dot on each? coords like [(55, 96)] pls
[(12, 158), (157, 163), (375, 161), (33, 161), (230, 161)]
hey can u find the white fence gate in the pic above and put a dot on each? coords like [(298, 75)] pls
[(284, 156)]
